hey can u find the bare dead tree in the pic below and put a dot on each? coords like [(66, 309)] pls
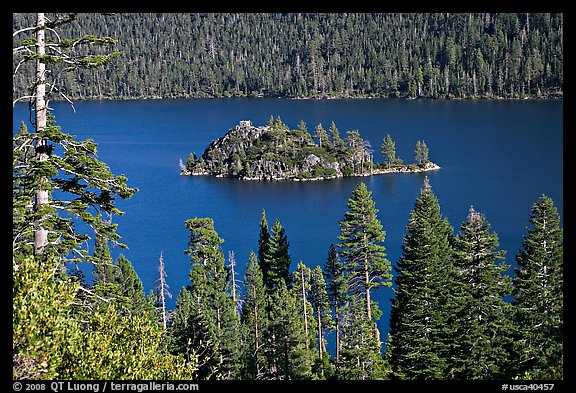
[(162, 291)]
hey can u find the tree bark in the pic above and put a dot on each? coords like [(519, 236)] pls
[(41, 196)]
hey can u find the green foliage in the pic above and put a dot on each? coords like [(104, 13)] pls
[(361, 235), (360, 355), (287, 352), (214, 327), (421, 152), (455, 55), (484, 334), (388, 149), (538, 296), (421, 322), (277, 259), (72, 167), (52, 339), (254, 322)]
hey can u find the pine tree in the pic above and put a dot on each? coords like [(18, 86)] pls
[(59, 161), (484, 335), (214, 317), (421, 152), (361, 235), (388, 150), (360, 354), (264, 246), (421, 328), (179, 341), (337, 140), (318, 297), (131, 290), (322, 136), (335, 289), (286, 350), (301, 290), (538, 295), (254, 322), (278, 258)]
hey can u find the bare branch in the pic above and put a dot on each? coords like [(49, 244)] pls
[(23, 30), (21, 98)]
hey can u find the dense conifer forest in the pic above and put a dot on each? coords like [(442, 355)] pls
[(455, 314), (436, 55)]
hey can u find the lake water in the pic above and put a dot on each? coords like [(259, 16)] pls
[(498, 156)]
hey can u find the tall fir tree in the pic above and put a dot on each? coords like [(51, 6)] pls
[(287, 354), (59, 161), (214, 316), (484, 335), (360, 357), (421, 326), (538, 296), (361, 237), (131, 289), (337, 141), (318, 297), (264, 246), (388, 150), (421, 152), (179, 340), (335, 290), (301, 289), (254, 322), (278, 258)]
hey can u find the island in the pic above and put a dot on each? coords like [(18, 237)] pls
[(275, 152)]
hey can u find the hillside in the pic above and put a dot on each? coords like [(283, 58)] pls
[(336, 55)]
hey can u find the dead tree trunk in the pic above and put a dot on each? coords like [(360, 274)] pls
[(41, 195)]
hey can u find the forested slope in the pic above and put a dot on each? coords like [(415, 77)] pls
[(320, 55)]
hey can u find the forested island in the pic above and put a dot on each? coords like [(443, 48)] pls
[(301, 55), (275, 152)]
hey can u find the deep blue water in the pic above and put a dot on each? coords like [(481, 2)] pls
[(498, 156)]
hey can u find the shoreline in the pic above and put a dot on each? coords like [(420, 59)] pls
[(430, 166)]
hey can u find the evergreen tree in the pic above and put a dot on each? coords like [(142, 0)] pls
[(59, 161), (131, 291), (104, 272), (264, 246), (318, 297), (179, 341), (335, 289), (286, 350), (421, 152), (254, 322), (538, 295), (337, 140), (360, 355), (484, 334), (278, 258), (361, 235), (214, 319), (301, 290), (322, 136), (426, 289), (389, 150)]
